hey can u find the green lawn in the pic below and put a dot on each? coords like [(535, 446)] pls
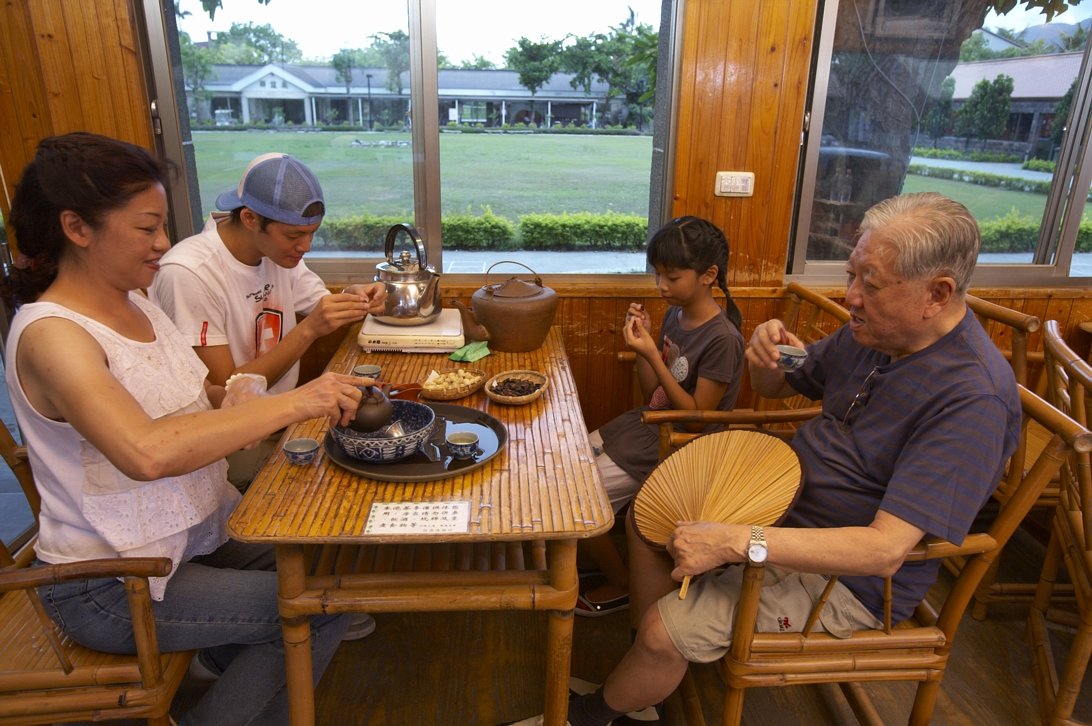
[(985, 203), (511, 174)]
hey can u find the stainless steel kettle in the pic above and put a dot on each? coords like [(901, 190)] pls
[(413, 288)]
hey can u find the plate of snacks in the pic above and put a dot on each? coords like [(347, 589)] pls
[(449, 384), (515, 388)]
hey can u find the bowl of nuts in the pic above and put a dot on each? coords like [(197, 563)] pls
[(452, 383), (515, 388)]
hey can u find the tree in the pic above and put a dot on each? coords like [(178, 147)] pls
[(250, 44), (197, 65), (393, 48), (986, 113), (1061, 114), (211, 6), (343, 64), (479, 63), (939, 118), (1076, 40), (535, 63), (625, 59)]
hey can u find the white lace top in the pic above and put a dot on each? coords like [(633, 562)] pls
[(89, 508)]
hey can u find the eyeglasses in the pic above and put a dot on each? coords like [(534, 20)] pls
[(860, 399)]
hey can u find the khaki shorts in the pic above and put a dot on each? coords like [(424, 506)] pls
[(620, 486), (701, 625)]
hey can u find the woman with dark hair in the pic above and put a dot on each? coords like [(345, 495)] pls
[(696, 362), (127, 439)]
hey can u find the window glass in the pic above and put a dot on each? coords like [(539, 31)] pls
[(948, 97), (545, 121)]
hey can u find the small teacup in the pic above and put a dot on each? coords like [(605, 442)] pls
[(463, 444), (301, 451), (368, 370), (791, 357)]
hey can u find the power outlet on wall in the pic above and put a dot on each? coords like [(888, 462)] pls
[(735, 184)]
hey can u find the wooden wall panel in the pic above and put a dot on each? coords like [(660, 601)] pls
[(741, 103), (67, 66), (24, 117)]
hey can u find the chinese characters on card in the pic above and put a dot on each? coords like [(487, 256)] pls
[(417, 517)]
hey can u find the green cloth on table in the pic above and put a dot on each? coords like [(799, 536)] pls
[(472, 351)]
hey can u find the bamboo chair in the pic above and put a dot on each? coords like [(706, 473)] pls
[(914, 650), (46, 678), (1010, 330), (1069, 382), (810, 316)]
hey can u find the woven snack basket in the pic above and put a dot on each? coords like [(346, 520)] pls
[(461, 390), (532, 376)]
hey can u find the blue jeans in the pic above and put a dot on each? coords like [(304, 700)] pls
[(224, 604)]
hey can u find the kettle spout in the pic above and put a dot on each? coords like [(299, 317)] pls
[(472, 330)]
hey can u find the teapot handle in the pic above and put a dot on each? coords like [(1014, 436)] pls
[(414, 235), (538, 279)]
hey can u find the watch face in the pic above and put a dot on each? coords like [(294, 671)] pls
[(756, 553)]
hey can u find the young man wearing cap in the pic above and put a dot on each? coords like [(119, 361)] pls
[(236, 288)]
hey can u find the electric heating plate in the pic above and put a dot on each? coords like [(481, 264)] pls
[(442, 335)]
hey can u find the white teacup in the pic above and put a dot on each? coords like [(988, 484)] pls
[(463, 444), (791, 357)]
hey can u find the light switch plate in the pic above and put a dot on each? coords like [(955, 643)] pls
[(735, 184)]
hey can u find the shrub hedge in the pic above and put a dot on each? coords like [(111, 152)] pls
[(981, 178), (1038, 165), (956, 155), (1018, 233), (580, 231)]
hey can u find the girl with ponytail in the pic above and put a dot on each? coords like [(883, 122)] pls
[(694, 362)]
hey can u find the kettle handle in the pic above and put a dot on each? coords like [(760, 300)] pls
[(392, 236), (538, 279)]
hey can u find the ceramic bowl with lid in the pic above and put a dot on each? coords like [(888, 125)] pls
[(417, 421)]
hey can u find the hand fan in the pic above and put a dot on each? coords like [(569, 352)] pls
[(732, 477)]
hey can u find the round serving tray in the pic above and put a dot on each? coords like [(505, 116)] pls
[(492, 438)]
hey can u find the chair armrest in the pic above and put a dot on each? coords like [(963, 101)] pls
[(738, 417), (27, 577), (933, 548)]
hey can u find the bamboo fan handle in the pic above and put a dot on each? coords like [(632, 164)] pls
[(684, 588)]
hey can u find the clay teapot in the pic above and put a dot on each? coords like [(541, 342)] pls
[(473, 331), (517, 314), (374, 411)]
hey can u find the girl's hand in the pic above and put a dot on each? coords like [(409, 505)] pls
[(639, 339), (637, 312)]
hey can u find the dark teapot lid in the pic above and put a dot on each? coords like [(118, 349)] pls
[(515, 287)]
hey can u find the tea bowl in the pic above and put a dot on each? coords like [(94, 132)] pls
[(417, 420), (301, 451), (792, 357)]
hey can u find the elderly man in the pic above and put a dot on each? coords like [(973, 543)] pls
[(920, 414)]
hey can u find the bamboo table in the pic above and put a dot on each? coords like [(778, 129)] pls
[(528, 506)]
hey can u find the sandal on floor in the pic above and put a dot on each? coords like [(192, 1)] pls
[(589, 609)]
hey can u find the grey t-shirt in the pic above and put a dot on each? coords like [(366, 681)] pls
[(713, 350)]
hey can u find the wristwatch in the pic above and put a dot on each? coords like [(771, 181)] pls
[(757, 550)]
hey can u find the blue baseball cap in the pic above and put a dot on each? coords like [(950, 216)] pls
[(277, 186)]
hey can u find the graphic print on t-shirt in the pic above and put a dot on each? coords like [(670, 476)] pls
[(679, 367), (267, 331)]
